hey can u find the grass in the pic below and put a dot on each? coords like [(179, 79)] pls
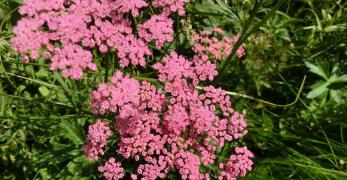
[(43, 116)]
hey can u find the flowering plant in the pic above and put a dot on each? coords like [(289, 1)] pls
[(163, 125)]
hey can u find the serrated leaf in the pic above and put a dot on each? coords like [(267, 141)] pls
[(318, 91), (316, 70), (29, 70), (341, 79), (336, 95), (42, 73), (44, 91)]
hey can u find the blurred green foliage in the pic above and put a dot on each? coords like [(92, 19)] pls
[(43, 116)]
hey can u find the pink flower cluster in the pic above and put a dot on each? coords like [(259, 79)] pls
[(122, 94), (215, 44), (177, 67), (112, 169), (98, 134), (237, 165), (171, 5), (173, 127), (67, 32), (158, 29)]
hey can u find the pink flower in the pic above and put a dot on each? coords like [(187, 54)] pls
[(72, 59), (132, 51), (65, 31), (237, 126), (174, 67), (176, 126), (112, 170), (188, 165), (157, 29), (151, 97), (237, 164), (176, 119), (133, 6), (171, 5), (122, 95), (204, 69), (98, 133), (241, 50), (163, 126), (213, 44)]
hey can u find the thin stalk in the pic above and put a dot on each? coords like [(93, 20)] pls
[(52, 86), (315, 119), (36, 100), (8, 79), (266, 102), (244, 35), (34, 80), (241, 95)]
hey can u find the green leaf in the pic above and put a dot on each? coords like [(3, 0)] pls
[(42, 73), (4, 10), (63, 84), (318, 91), (44, 91), (74, 166), (72, 132), (341, 79), (316, 70), (4, 101), (336, 95)]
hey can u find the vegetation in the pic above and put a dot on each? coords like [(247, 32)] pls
[(290, 86)]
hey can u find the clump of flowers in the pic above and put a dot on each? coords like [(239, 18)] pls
[(237, 165), (171, 5), (158, 29), (173, 127), (215, 44), (112, 169), (98, 134), (170, 124), (66, 32)]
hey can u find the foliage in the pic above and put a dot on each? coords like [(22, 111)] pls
[(42, 115)]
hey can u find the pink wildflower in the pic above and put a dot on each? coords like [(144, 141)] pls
[(171, 5), (132, 51), (188, 165), (204, 69), (214, 44), (123, 91), (112, 170), (151, 97), (174, 67), (237, 126), (65, 31), (132, 6), (174, 127), (72, 59), (238, 164), (98, 133), (241, 50), (158, 29)]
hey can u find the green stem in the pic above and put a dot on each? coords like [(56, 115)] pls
[(242, 95), (245, 33), (35, 100), (315, 119)]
